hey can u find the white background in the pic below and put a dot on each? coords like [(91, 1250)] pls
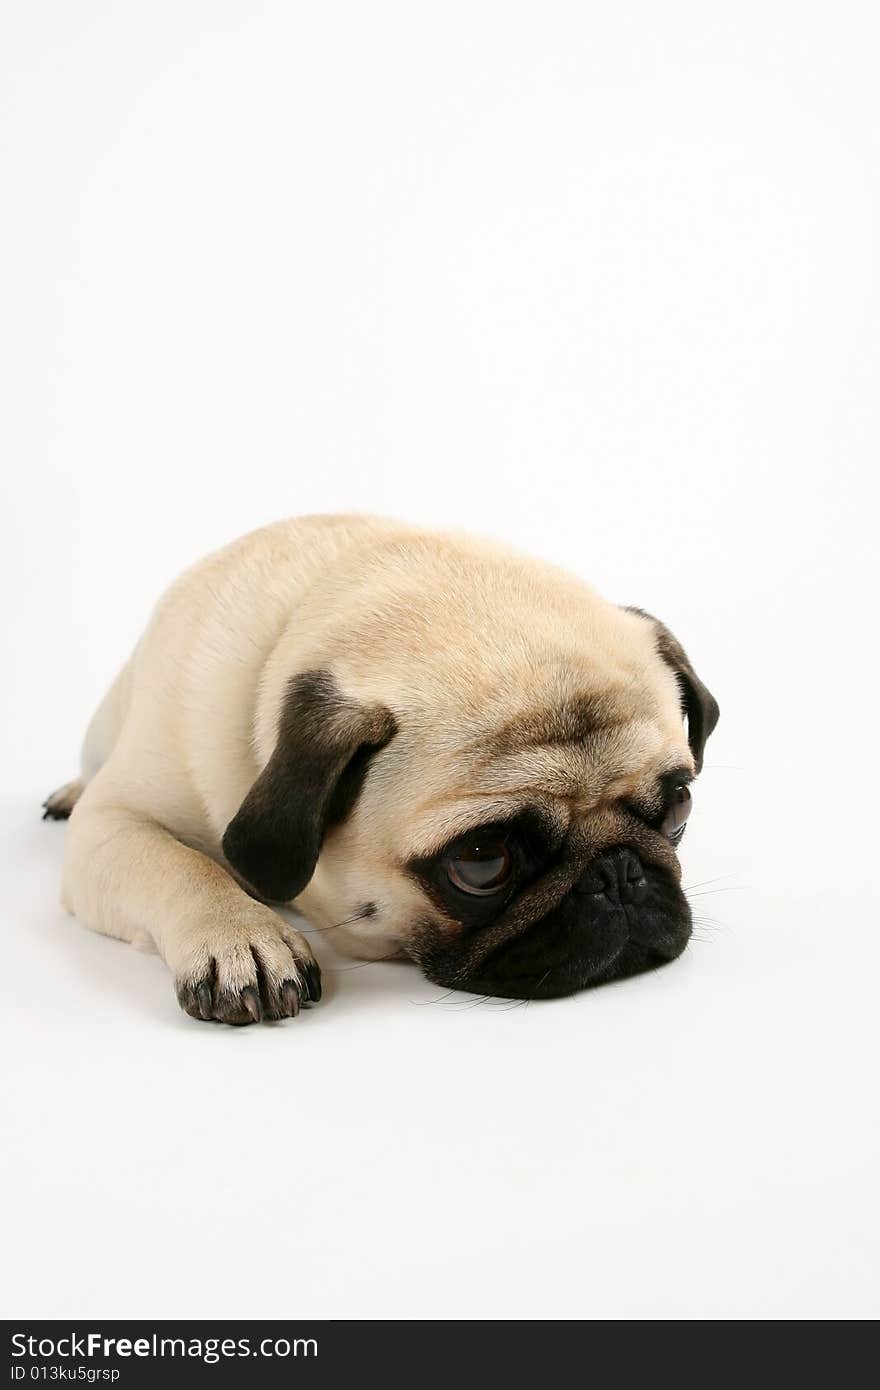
[(597, 279)]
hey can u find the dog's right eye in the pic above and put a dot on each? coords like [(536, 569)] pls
[(480, 866)]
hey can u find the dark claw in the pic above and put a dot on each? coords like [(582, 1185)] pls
[(290, 998), (312, 975), (251, 1000), (203, 994), (192, 1000)]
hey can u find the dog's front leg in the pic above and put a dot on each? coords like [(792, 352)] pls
[(233, 959)]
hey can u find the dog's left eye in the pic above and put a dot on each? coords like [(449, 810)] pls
[(480, 866), (677, 813)]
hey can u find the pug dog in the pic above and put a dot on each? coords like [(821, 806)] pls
[(427, 744)]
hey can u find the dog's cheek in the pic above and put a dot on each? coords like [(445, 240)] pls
[(438, 945)]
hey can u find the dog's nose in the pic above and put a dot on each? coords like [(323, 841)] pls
[(616, 875)]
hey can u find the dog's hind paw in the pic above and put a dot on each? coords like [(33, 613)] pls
[(59, 805)]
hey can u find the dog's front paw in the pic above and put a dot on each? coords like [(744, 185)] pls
[(248, 975)]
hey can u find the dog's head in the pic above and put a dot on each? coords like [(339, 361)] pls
[(510, 824)]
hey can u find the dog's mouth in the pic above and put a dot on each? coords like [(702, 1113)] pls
[(573, 949)]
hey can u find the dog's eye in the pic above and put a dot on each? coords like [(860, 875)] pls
[(677, 813), (481, 865)]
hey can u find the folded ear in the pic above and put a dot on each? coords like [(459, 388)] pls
[(698, 704), (325, 742)]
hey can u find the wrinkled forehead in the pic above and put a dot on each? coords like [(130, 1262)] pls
[(563, 762), (604, 765)]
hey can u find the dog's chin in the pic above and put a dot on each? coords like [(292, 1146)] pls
[(578, 946)]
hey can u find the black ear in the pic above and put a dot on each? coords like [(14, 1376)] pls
[(698, 703), (310, 782)]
